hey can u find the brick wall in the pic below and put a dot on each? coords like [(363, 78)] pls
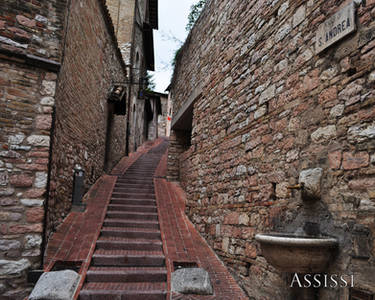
[(84, 123), (270, 108)]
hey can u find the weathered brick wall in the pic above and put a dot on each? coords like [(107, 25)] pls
[(26, 100), (32, 27), (91, 65), (270, 108)]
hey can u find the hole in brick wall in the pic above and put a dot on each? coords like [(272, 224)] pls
[(184, 264), (356, 294), (67, 265), (273, 196), (248, 266), (351, 71)]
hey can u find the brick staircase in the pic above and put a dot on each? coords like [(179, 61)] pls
[(128, 262)]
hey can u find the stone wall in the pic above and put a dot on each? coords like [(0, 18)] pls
[(269, 108), (26, 99), (32, 28), (30, 53), (122, 15), (86, 130)]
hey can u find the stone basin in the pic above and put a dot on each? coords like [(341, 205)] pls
[(297, 253)]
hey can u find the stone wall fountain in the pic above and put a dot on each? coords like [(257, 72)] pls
[(304, 250)]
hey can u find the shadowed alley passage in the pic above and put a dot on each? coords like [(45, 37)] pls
[(128, 262)]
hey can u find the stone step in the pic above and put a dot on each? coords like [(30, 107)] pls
[(134, 274), (131, 233), (128, 258), (131, 223), (139, 244), (132, 208), (124, 291), (136, 202), (132, 215)]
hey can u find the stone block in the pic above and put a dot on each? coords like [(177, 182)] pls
[(355, 161), (260, 112), (48, 101), (16, 139), (299, 15), (35, 215), (191, 281), (39, 140), (19, 229), (25, 21), (4, 178), (32, 240), (59, 285), (48, 88), (13, 268), (324, 134), (283, 32), (6, 245), (40, 179), (311, 181), (268, 94), (334, 159), (43, 122), (351, 90), (232, 218), (32, 202), (22, 180), (337, 111), (361, 133), (251, 250)]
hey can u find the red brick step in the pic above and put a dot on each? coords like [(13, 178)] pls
[(128, 258), (132, 208), (145, 202), (133, 195), (132, 215), (134, 274), (124, 291), (131, 223), (144, 233), (118, 243)]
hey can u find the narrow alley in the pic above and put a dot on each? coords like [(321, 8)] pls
[(234, 161), (144, 237), (128, 260)]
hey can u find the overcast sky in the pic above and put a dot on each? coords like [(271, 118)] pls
[(173, 16)]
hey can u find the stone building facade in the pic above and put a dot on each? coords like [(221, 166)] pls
[(134, 21), (254, 106), (59, 61)]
